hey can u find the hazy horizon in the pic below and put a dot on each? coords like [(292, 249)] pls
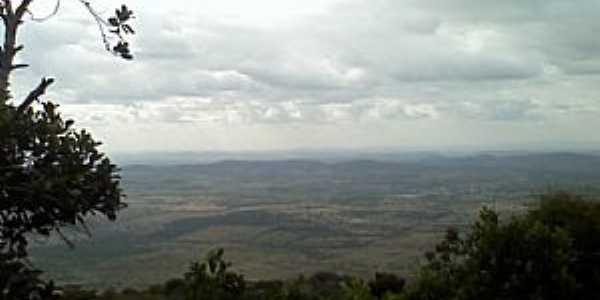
[(328, 155)]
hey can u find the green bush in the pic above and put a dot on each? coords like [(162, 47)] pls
[(550, 252)]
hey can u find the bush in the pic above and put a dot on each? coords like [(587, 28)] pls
[(213, 280), (386, 283), (550, 252)]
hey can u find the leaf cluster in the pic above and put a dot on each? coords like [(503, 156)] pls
[(119, 26), (18, 280), (51, 176)]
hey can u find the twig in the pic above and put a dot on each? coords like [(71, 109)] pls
[(23, 7), (99, 21), (35, 94), (65, 239)]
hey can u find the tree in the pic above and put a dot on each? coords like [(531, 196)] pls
[(51, 175), (581, 219), (549, 252)]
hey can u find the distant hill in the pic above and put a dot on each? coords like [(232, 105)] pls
[(522, 172)]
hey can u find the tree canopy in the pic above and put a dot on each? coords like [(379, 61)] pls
[(550, 252), (51, 174)]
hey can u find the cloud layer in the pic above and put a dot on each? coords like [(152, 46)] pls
[(329, 73)]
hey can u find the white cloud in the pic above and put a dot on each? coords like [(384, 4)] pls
[(380, 67)]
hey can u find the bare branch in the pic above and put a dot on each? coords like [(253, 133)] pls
[(19, 66), (23, 7), (35, 94), (99, 21), (64, 238)]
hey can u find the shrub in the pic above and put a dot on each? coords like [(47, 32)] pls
[(550, 252)]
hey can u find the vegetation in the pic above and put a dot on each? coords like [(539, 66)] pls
[(548, 252), (278, 218), (551, 252), (51, 175)]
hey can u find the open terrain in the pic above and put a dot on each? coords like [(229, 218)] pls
[(282, 218)]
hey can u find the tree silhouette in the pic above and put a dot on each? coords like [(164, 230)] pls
[(51, 175)]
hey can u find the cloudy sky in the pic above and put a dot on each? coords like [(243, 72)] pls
[(321, 74)]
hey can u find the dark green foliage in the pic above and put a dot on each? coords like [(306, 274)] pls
[(175, 288), (386, 283), (581, 219), (119, 26), (51, 176), (212, 279), (548, 253), (19, 281), (356, 289), (322, 285)]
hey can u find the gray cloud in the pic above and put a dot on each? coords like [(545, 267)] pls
[(344, 62)]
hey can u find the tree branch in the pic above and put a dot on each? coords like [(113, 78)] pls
[(9, 49), (19, 66), (8, 6), (3, 11), (22, 9), (99, 22), (35, 94)]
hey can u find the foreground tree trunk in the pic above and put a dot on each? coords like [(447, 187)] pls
[(12, 19)]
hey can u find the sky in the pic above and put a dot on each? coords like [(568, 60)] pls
[(326, 74)]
